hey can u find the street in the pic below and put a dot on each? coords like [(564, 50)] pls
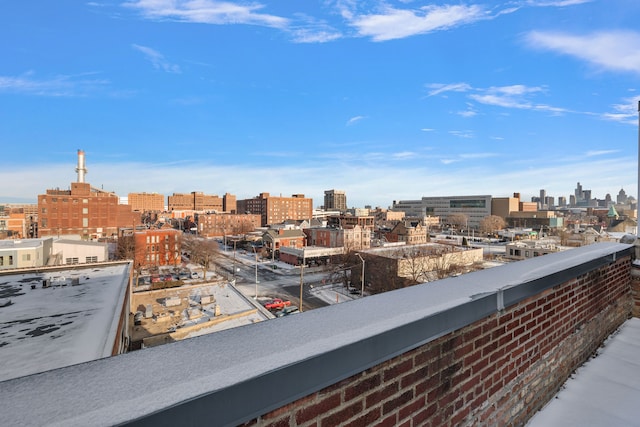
[(283, 282)]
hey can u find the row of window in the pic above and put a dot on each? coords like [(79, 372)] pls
[(64, 200), (9, 260)]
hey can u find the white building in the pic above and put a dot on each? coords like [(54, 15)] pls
[(474, 207), (26, 253)]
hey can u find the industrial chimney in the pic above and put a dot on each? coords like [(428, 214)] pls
[(81, 169)]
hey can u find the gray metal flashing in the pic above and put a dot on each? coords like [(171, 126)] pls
[(245, 401)]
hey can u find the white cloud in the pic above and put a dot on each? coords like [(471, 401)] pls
[(625, 112), (427, 130), (157, 59), (556, 3), (354, 120), (404, 155), (613, 50), (438, 88), (594, 153), (394, 23), (207, 12), (57, 86), (462, 133)]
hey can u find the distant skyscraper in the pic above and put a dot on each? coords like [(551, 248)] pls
[(335, 200), (562, 201)]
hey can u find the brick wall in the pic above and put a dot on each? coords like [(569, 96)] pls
[(496, 371)]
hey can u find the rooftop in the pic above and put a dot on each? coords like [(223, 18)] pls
[(60, 325)]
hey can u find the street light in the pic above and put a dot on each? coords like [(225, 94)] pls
[(256, 254), (362, 275)]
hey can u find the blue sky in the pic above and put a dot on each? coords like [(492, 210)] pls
[(387, 100)]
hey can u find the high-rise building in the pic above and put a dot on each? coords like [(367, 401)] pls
[(335, 200), (275, 210), (146, 202), (229, 203), (83, 210)]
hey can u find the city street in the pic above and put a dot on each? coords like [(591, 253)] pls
[(281, 282)]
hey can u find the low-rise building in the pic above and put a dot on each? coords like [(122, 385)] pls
[(226, 224), (67, 251), (55, 317), (390, 268), (524, 249), (27, 253)]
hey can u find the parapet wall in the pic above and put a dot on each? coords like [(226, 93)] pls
[(496, 371), (486, 348)]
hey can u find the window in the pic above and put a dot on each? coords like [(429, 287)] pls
[(26, 257), (44, 210), (85, 200), (85, 211), (91, 259), (54, 199), (10, 259), (1, 260), (71, 260), (85, 222)]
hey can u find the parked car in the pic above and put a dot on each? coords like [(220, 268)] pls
[(155, 279), (292, 309), (195, 275), (277, 304)]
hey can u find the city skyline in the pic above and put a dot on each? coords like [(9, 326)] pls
[(387, 100)]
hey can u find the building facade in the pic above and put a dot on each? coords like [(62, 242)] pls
[(474, 207), (335, 200), (27, 253), (275, 210), (82, 211), (146, 202), (227, 224), (356, 238)]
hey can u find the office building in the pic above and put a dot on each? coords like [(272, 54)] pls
[(335, 200)]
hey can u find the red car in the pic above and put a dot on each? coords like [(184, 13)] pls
[(277, 304)]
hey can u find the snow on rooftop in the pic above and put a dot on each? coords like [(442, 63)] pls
[(602, 392), (64, 324)]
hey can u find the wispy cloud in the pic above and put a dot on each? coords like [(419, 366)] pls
[(511, 96), (607, 50), (157, 59), (439, 88), (404, 155), (556, 3), (462, 133), (594, 153), (354, 120), (625, 112), (392, 23), (57, 86), (207, 12)]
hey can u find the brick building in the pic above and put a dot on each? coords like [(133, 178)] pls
[(83, 210), (227, 224), (275, 210), (411, 233), (146, 202), (151, 247), (350, 221), (200, 202), (356, 238)]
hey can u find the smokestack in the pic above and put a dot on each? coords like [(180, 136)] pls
[(81, 169)]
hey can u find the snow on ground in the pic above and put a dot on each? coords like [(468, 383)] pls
[(602, 392)]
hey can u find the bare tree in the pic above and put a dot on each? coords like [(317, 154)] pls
[(492, 223), (458, 220), (201, 251)]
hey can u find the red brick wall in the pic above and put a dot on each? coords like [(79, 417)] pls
[(496, 371)]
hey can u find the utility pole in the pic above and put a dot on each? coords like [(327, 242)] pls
[(361, 276), (638, 200), (301, 278)]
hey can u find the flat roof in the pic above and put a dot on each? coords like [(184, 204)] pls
[(603, 391), (48, 328)]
